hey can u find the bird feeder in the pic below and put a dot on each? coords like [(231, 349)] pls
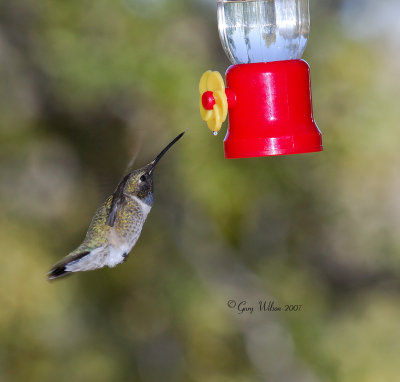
[(267, 93)]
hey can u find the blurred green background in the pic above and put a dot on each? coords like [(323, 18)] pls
[(86, 85)]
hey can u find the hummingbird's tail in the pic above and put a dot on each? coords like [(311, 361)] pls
[(60, 269), (57, 272)]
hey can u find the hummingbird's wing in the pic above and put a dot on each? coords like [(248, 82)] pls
[(118, 199)]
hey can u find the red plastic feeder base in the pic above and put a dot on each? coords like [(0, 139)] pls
[(271, 112)]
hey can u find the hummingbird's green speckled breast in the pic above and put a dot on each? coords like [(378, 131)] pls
[(128, 225), (130, 219)]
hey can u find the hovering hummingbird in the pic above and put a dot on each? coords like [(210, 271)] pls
[(116, 225)]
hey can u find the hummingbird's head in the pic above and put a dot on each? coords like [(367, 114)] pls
[(140, 182)]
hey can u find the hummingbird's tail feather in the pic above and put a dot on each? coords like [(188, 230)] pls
[(60, 269), (57, 272)]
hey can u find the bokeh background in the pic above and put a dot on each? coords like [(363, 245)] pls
[(87, 85)]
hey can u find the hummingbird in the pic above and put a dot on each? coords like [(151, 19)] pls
[(116, 225)]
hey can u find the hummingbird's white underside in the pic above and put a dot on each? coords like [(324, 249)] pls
[(114, 252)]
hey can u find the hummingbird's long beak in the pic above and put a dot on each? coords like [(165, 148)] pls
[(159, 156)]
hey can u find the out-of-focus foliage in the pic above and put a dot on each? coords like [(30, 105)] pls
[(84, 85)]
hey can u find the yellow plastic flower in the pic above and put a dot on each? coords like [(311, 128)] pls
[(212, 82)]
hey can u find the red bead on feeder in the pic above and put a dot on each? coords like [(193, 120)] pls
[(268, 94)]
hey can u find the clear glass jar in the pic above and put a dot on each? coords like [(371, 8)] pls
[(263, 30)]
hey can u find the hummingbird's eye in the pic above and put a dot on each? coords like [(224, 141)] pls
[(143, 178)]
